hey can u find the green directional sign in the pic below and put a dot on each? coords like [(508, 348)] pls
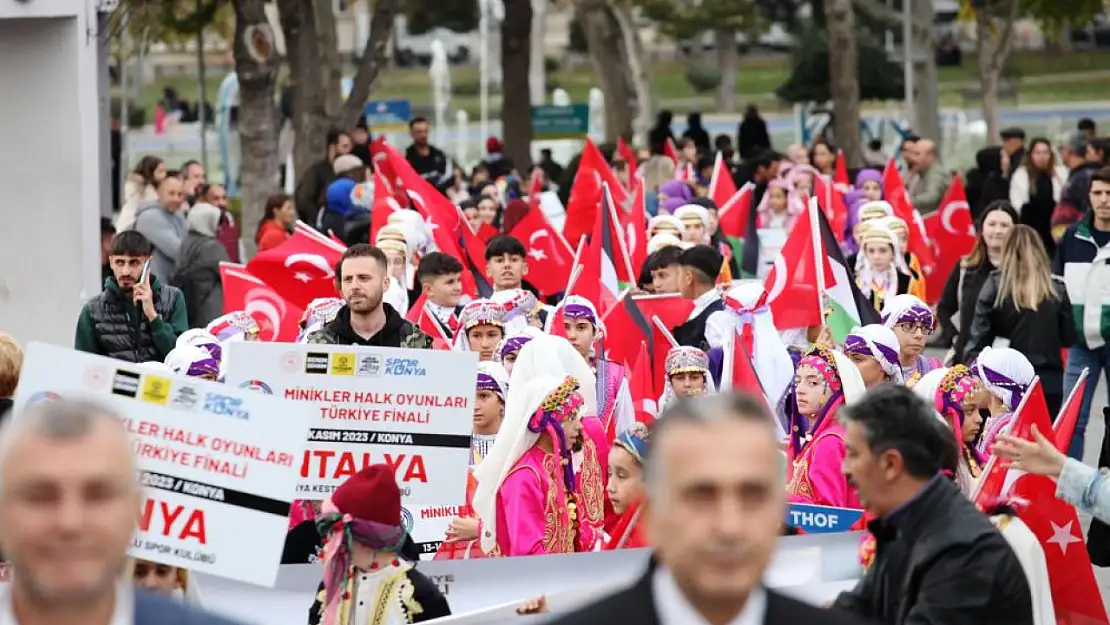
[(560, 122)]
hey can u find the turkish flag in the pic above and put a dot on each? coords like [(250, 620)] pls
[(735, 214), (840, 174), (628, 156), (626, 328), (951, 233), (721, 186), (301, 269), (421, 317), (895, 192), (642, 388), (1064, 426), (792, 287), (384, 204), (278, 320), (549, 257), (633, 225), (832, 204), (671, 308), (585, 193)]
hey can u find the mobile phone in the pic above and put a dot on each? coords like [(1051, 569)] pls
[(144, 275)]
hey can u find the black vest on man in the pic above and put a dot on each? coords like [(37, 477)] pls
[(122, 330), (692, 333)]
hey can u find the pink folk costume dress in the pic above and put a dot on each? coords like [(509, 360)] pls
[(529, 499), (1006, 373), (816, 449), (907, 308), (614, 401), (948, 390)]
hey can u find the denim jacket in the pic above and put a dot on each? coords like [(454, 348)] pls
[(1086, 488)]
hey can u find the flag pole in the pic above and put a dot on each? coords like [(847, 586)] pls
[(620, 232), (732, 201), (728, 363), (662, 327), (818, 256)]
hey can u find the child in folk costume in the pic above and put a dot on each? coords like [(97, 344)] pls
[(584, 329), (780, 206), (165, 579), (625, 487), (234, 326), (874, 350), (899, 227), (870, 183), (880, 268), (687, 370), (954, 393), (825, 381), (194, 362), (528, 497), (522, 309), (392, 239), (510, 346), (489, 411), (695, 223), (1006, 374), (913, 322), (319, 312), (365, 581), (481, 328), (665, 224)]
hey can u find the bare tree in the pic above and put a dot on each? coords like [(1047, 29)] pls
[(992, 48), (639, 69), (516, 59), (256, 66), (604, 40), (844, 78)]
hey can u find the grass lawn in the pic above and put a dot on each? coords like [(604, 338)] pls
[(756, 81)]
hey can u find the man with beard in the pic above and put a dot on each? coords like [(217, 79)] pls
[(136, 317), (362, 278)]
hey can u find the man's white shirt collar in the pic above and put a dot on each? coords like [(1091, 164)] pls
[(123, 613), (703, 302), (673, 608)]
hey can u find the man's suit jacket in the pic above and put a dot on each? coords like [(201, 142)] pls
[(637, 605), (154, 609)]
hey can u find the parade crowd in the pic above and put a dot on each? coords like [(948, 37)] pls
[(703, 340)]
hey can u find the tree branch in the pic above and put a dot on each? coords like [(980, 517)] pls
[(1002, 50), (887, 16), (371, 63)]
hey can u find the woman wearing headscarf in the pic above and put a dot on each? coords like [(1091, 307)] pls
[(1006, 374), (954, 394), (492, 387), (874, 350), (1023, 304), (870, 183), (825, 381), (880, 268), (529, 497), (673, 194), (913, 323), (956, 307), (625, 487), (198, 266)]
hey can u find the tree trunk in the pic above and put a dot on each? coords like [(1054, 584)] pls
[(927, 91), (310, 97), (1063, 38), (516, 111), (844, 78), (537, 70), (639, 70), (992, 51), (256, 65), (327, 42), (603, 41), (374, 58), (726, 61)]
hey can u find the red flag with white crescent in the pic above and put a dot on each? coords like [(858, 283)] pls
[(277, 318)]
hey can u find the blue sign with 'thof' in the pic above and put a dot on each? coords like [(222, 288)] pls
[(821, 519)]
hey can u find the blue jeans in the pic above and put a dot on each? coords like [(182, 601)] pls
[(1079, 358)]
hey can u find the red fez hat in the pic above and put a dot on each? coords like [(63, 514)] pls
[(370, 495)]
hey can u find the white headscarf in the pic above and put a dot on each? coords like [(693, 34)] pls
[(875, 336), (522, 336), (1007, 362), (896, 306), (889, 277), (397, 297), (851, 382), (513, 440), (665, 239), (927, 388), (497, 373), (415, 229), (770, 359), (204, 219), (554, 356)]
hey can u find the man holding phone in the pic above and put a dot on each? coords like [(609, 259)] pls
[(136, 318)]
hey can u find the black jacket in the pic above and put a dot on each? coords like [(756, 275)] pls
[(425, 594), (960, 300), (397, 332), (311, 188), (692, 332), (1039, 334), (636, 605), (942, 563), (156, 609)]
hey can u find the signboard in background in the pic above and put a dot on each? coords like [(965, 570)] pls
[(387, 115), (821, 519), (218, 463), (551, 122), (409, 408), (811, 568)]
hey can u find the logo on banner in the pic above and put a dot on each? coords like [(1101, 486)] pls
[(316, 362), (225, 406), (125, 383), (406, 520), (156, 390), (185, 397), (257, 386), (41, 397), (369, 364), (342, 364), (291, 362), (95, 377), (821, 519), (404, 367)]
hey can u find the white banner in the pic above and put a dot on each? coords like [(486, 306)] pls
[(218, 463), (811, 568), (411, 409)]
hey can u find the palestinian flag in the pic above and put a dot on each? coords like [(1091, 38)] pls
[(849, 308)]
